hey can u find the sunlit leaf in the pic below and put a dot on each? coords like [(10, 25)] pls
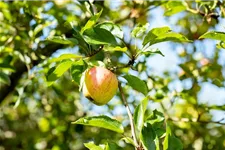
[(58, 71), (137, 84), (150, 51), (96, 63), (113, 28), (139, 30), (92, 146), (214, 35), (20, 91), (154, 33), (102, 122), (174, 7), (91, 22), (7, 14), (139, 113), (62, 40), (40, 27), (77, 69), (128, 140), (65, 56), (163, 34), (157, 144), (3, 5), (115, 48)]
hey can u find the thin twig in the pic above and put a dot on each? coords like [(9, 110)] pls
[(96, 51), (212, 15), (130, 116)]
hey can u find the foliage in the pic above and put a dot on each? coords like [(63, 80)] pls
[(46, 47)]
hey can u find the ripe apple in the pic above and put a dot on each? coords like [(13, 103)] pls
[(100, 85)]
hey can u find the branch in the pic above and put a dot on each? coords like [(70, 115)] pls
[(96, 51), (130, 116), (14, 78), (212, 15)]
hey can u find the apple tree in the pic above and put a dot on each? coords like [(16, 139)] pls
[(111, 75)]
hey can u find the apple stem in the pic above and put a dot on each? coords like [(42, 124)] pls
[(129, 115)]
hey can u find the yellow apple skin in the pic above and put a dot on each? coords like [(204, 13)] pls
[(100, 85)]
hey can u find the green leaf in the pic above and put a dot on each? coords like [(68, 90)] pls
[(62, 40), (65, 56), (112, 146), (170, 141), (163, 34), (139, 30), (128, 140), (3, 5), (82, 78), (154, 33), (157, 143), (40, 27), (77, 69), (8, 59), (115, 48), (150, 51), (20, 91), (216, 107), (156, 116), (102, 122), (99, 36), (91, 22), (156, 119), (7, 67), (214, 35), (92, 146), (96, 63), (56, 72), (220, 45), (174, 7), (4, 78), (7, 14), (137, 84), (81, 42), (147, 137), (139, 113), (113, 28)]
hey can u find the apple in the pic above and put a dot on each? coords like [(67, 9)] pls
[(100, 85)]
